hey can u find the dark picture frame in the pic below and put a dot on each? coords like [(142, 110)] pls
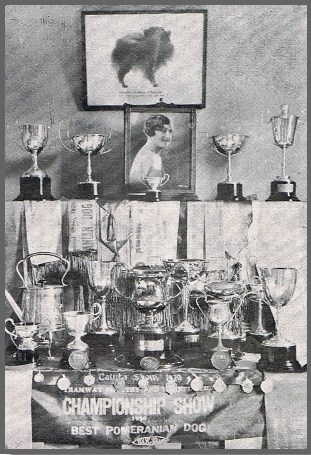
[(178, 158), (123, 66)]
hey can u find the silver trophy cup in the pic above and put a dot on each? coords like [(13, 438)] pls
[(34, 183), (229, 145)]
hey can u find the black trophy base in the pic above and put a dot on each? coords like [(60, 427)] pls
[(25, 356), (230, 192), (254, 340), (187, 338), (75, 359), (35, 189), (283, 190), (153, 196), (105, 343), (88, 190), (278, 359), (151, 361), (219, 359)]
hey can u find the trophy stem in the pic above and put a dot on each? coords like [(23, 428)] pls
[(283, 162), (229, 168), (89, 167), (34, 156), (220, 346), (259, 328)]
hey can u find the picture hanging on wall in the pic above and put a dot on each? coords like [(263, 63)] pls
[(160, 144), (143, 57)]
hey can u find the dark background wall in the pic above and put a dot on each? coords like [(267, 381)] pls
[(256, 61)]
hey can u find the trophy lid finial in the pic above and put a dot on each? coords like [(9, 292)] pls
[(285, 110)]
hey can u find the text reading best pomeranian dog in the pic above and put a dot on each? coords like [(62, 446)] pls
[(146, 51)]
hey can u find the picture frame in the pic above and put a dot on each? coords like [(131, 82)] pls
[(123, 66), (177, 157)]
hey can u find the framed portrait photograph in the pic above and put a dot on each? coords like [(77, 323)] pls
[(160, 145), (140, 58)]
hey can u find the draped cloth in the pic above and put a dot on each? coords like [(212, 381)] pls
[(43, 230), (153, 231)]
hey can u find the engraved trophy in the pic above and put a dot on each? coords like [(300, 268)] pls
[(149, 291), (76, 354), (278, 354), (35, 185), (283, 188), (88, 145), (229, 145), (99, 275), (153, 194), (22, 337)]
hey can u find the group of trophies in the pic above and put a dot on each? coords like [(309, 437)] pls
[(150, 290), (36, 185)]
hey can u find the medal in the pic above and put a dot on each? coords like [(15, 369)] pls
[(89, 379), (219, 385), (38, 377), (267, 386), (197, 384), (63, 383)]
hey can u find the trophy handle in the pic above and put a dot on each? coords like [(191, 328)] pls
[(43, 254), (62, 142), (143, 181), (103, 151), (113, 277), (166, 178), (13, 335)]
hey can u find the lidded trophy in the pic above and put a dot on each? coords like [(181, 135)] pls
[(35, 185), (283, 188)]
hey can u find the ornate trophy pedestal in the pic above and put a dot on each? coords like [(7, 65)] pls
[(283, 190), (230, 192), (88, 190), (278, 359), (35, 189), (231, 344)]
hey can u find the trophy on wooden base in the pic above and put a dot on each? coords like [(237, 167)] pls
[(22, 337), (35, 185), (88, 145), (149, 293), (283, 188), (278, 354), (228, 146), (76, 354)]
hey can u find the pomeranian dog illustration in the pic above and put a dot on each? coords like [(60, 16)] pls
[(146, 51)]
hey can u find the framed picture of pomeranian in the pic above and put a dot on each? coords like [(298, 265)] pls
[(141, 58), (160, 148)]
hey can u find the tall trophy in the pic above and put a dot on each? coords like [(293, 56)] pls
[(76, 355), (229, 145), (99, 275), (149, 290), (88, 145), (190, 273), (153, 194), (35, 185), (278, 354), (256, 336), (283, 188)]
